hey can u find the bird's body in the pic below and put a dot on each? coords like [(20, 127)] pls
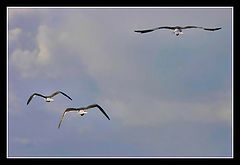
[(82, 111), (177, 30), (47, 98)]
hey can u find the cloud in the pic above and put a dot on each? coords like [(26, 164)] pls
[(139, 111), (124, 79), (127, 82), (44, 44), (50, 56), (14, 34), (35, 62)]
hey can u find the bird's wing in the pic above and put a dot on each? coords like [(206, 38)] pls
[(212, 29), (150, 30), (167, 27), (190, 27), (144, 31), (37, 94), (55, 93), (100, 108), (66, 110)]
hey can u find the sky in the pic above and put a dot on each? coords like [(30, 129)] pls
[(166, 95)]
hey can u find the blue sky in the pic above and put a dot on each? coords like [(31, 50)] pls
[(167, 96)]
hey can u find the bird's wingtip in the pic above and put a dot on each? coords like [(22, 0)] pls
[(137, 31), (59, 125)]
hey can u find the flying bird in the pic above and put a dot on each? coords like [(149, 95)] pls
[(82, 111), (47, 98), (177, 30)]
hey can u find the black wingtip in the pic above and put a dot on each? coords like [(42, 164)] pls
[(218, 28), (69, 97), (137, 31), (108, 117), (212, 29), (144, 31)]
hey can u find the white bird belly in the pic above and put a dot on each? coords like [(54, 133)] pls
[(49, 100)]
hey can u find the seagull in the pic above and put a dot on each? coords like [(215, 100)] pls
[(177, 30), (47, 98), (82, 111)]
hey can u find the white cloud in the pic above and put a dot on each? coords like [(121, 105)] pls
[(44, 44), (52, 56), (31, 63), (13, 34)]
